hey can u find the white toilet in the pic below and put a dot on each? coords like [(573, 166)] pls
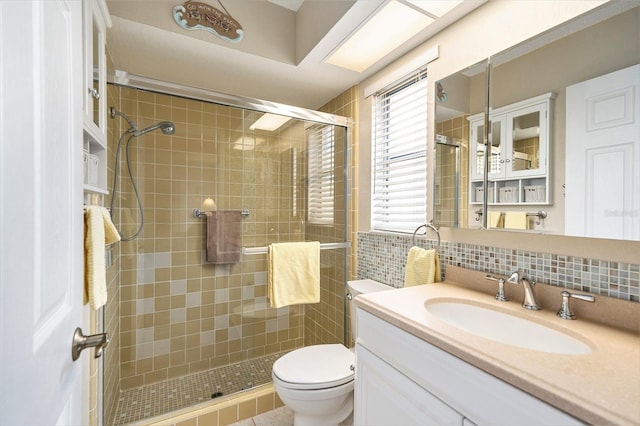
[(316, 382)]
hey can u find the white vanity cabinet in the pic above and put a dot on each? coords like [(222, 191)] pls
[(519, 153), (387, 397), (401, 379), (96, 20)]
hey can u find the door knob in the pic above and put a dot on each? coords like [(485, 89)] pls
[(81, 342)]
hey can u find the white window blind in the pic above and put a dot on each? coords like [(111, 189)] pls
[(321, 174), (399, 199)]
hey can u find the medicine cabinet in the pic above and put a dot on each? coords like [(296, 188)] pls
[(96, 19), (518, 153)]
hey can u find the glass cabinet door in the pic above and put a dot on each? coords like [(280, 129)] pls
[(96, 92), (527, 154), (95, 62), (496, 156), (496, 160)]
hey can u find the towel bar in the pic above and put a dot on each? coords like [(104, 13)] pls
[(426, 225), (540, 214), (323, 246), (84, 208), (197, 213)]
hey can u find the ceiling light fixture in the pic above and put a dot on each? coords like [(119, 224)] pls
[(437, 8), (270, 122), (391, 26)]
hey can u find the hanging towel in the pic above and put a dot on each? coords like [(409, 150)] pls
[(423, 267), (516, 220), (224, 237), (293, 273), (98, 232), (496, 220)]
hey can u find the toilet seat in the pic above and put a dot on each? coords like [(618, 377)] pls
[(315, 367)]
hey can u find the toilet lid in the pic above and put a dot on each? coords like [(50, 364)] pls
[(315, 367)]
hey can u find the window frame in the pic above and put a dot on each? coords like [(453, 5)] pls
[(399, 143)]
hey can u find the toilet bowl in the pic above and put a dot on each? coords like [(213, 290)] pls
[(316, 382)]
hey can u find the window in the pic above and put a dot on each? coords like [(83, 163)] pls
[(321, 174), (399, 199)]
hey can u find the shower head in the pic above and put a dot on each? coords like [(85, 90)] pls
[(166, 127)]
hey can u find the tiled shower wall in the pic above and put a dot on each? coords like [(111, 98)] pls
[(324, 322), (111, 358), (179, 314), (383, 257), (457, 131)]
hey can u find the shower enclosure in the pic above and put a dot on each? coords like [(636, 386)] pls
[(451, 170), (183, 330), (447, 182)]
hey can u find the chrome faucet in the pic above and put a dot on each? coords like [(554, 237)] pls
[(529, 302)]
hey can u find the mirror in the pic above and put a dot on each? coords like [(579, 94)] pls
[(458, 95), (538, 161)]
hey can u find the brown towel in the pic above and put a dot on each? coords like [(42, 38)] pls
[(224, 236)]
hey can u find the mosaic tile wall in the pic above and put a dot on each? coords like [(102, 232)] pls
[(383, 256)]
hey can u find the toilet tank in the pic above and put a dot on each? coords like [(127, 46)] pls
[(356, 288)]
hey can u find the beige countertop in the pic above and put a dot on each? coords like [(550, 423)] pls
[(602, 387)]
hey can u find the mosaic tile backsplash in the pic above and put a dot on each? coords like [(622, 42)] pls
[(383, 256)]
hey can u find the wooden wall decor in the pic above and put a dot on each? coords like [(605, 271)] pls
[(193, 15)]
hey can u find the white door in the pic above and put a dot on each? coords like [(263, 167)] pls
[(603, 156), (41, 225)]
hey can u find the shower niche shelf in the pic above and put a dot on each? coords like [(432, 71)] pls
[(94, 167)]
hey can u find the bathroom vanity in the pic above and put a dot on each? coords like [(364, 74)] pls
[(414, 367)]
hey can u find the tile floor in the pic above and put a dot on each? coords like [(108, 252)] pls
[(174, 394), (282, 416)]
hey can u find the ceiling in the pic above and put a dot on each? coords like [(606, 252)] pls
[(279, 59)]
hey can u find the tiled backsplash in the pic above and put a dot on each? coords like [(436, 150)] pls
[(382, 257)]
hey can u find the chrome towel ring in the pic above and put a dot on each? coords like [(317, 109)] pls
[(425, 226)]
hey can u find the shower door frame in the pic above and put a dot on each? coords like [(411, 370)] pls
[(456, 148), (125, 79)]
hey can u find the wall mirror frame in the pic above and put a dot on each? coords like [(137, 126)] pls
[(511, 127)]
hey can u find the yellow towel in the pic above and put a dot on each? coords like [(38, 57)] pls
[(495, 220), (98, 231), (293, 273), (423, 267), (516, 220)]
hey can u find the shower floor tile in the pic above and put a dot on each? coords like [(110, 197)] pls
[(174, 394)]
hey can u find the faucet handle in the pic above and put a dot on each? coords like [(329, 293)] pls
[(565, 312), (500, 295)]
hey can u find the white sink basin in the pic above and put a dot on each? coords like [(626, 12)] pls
[(505, 328)]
